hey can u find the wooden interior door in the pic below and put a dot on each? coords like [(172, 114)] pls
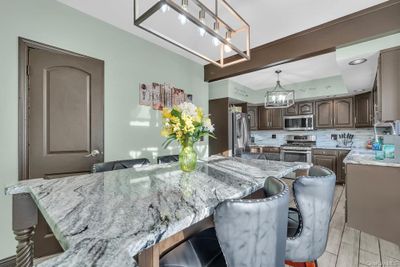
[(65, 122), (343, 110)]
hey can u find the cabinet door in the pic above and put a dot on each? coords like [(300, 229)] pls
[(324, 114), (306, 108), (389, 84), (276, 118), (292, 110), (327, 161), (341, 167), (264, 118), (253, 114), (363, 110), (343, 110)]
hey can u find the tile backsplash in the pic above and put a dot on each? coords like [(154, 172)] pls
[(361, 136)]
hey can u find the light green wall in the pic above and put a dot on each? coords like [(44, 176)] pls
[(129, 60), (319, 88), (367, 47)]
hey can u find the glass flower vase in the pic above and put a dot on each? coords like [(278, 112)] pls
[(187, 158)]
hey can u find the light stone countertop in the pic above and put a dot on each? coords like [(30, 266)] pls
[(362, 156), (105, 219)]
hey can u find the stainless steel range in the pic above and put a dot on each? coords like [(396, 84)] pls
[(298, 148)]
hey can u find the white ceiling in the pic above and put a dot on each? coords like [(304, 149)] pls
[(269, 20), (294, 72)]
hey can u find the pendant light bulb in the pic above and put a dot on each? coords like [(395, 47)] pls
[(185, 4), (164, 8), (227, 49), (215, 41), (182, 18), (202, 31)]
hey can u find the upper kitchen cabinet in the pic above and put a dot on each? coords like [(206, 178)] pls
[(389, 84), (363, 110), (343, 113), (306, 108), (292, 110), (252, 111), (301, 108), (324, 114), (270, 119)]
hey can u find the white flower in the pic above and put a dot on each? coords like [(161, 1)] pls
[(188, 109), (207, 124)]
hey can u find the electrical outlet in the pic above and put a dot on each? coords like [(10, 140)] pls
[(274, 136), (334, 137)]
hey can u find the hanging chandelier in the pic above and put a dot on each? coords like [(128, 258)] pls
[(217, 34), (278, 97)]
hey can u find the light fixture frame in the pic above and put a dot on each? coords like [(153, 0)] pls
[(244, 55), (278, 89)]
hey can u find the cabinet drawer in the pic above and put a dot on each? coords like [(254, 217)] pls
[(328, 152)]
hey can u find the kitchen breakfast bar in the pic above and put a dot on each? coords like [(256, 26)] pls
[(131, 217)]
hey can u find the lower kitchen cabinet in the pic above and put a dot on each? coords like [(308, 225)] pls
[(333, 160)]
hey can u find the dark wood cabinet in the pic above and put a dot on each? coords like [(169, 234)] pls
[(343, 113), (333, 160), (306, 108), (292, 110), (270, 119), (341, 167), (252, 111), (301, 108), (328, 161), (389, 84), (324, 114), (363, 110), (276, 118)]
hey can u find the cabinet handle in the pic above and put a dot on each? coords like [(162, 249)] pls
[(355, 120)]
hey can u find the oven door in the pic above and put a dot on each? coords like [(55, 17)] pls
[(296, 155)]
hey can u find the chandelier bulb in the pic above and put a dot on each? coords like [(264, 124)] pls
[(227, 49), (216, 42), (185, 4), (164, 8), (182, 18), (202, 31)]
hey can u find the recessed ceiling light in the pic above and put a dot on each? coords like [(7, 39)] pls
[(357, 61)]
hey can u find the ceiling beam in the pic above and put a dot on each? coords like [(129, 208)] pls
[(363, 25)]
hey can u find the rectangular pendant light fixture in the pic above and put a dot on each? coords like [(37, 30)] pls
[(214, 32)]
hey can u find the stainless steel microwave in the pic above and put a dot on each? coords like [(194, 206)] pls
[(298, 123)]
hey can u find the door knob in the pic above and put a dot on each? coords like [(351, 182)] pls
[(94, 153)]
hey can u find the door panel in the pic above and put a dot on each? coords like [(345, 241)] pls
[(363, 110), (276, 118), (292, 110), (66, 95), (306, 108), (264, 118), (324, 110), (343, 110)]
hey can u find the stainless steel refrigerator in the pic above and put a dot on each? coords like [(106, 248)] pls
[(239, 134)]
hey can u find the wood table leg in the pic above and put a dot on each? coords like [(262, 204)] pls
[(150, 257), (24, 221)]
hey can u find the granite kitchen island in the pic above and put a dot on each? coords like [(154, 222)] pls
[(372, 194), (108, 219)]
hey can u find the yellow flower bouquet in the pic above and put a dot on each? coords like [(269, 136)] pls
[(186, 124)]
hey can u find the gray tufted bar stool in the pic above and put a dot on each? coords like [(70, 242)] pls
[(119, 164), (167, 159), (308, 225), (247, 233)]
